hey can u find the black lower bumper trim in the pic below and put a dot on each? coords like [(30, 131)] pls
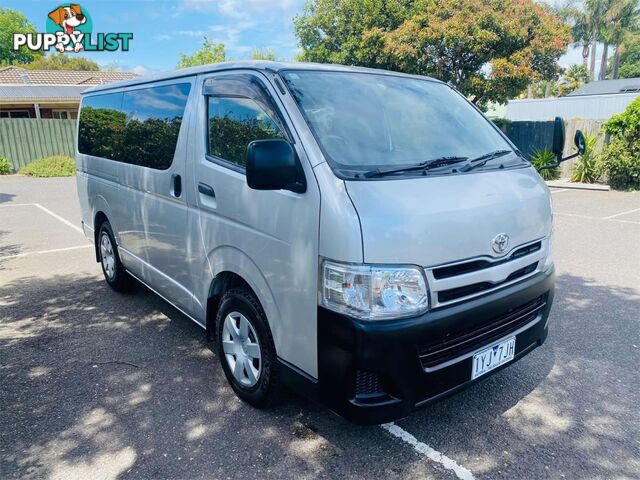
[(387, 353)]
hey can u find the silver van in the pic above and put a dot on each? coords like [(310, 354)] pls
[(366, 238)]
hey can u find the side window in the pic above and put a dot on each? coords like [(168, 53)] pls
[(140, 127), (101, 128), (154, 116), (235, 122)]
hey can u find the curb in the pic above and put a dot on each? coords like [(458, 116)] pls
[(578, 186)]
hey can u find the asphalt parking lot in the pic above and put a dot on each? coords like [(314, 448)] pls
[(94, 384)]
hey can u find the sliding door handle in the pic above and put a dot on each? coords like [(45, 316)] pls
[(207, 190), (176, 180)]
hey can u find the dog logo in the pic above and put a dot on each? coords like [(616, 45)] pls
[(68, 19), (70, 29)]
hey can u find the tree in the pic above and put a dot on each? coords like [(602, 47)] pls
[(573, 78), (209, 53), (619, 17), (267, 54), (594, 10), (627, 24), (489, 50), (581, 29), (630, 58), (63, 62), (12, 21)]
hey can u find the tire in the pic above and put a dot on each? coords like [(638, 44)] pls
[(114, 272), (246, 350)]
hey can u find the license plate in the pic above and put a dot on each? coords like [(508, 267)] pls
[(493, 357)]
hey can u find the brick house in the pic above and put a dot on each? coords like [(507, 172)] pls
[(47, 93)]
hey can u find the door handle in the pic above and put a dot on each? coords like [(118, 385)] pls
[(177, 185), (205, 189)]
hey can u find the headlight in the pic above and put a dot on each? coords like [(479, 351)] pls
[(373, 292)]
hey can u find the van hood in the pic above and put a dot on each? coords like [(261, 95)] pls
[(433, 220)]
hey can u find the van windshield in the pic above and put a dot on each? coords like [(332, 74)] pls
[(365, 121)]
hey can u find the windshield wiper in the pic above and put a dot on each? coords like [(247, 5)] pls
[(483, 159), (422, 166)]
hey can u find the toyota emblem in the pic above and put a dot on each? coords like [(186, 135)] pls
[(500, 243)]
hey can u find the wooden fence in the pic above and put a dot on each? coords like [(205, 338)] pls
[(23, 140), (530, 137)]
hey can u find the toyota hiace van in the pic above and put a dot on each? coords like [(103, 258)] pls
[(364, 237)]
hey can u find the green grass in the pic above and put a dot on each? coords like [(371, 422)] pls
[(56, 166)]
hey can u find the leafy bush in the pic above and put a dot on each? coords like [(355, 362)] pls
[(621, 163), (5, 166), (544, 157), (627, 122), (587, 169), (56, 166), (621, 158)]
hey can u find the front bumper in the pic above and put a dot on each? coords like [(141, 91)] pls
[(375, 372)]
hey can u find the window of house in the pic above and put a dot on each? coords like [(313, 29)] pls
[(64, 114), (15, 114)]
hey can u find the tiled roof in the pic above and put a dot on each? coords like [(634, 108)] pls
[(21, 76)]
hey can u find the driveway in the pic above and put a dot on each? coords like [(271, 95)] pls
[(95, 384)]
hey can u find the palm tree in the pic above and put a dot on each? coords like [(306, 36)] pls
[(627, 20), (594, 11), (574, 77), (619, 17), (580, 31)]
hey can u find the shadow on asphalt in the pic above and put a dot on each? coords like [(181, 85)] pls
[(7, 250), (92, 380), (567, 408), (6, 197)]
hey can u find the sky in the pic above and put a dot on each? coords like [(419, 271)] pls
[(164, 29)]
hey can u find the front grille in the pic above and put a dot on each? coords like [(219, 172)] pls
[(367, 383), (466, 290), (469, 340), (475, 265)]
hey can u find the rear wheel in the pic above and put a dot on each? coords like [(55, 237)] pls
[(246, 349), (114, 272)]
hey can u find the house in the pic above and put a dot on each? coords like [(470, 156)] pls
[(47, 93), (598, 100)]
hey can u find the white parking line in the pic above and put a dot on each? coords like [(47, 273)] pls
[(46, 210), (26, 254), (620, 214), (54, 215), (576, 215), (427, 451)]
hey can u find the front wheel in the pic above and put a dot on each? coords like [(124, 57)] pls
[(114, 272), (246, 349)]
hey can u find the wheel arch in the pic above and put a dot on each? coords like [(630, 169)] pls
[(232, 268), (99, 218)]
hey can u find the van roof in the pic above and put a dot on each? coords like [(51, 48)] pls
[(263, 65)]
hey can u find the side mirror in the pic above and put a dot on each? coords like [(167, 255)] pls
[(558, 137), (580, 141), (273, 165)]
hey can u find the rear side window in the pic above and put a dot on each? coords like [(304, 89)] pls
[(139, 127), (101, 129), (235, 122)]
